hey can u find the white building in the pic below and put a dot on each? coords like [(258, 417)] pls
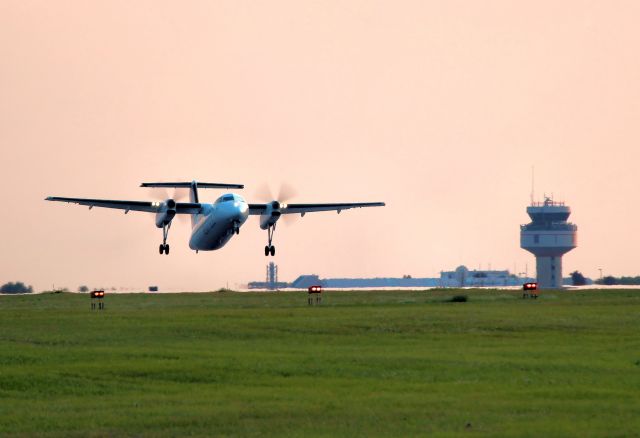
[(463, 277)]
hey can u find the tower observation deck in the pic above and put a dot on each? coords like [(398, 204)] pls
[(549, 236)]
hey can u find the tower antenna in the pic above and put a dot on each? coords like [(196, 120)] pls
[(533, 174)]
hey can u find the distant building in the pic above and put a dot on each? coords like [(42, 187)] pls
[(271, 281), (305, 281), (406, 281), (463, 277)]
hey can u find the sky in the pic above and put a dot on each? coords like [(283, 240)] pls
[(439, 109)]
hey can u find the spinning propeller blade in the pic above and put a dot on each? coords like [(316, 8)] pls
[(162, 194), (264, 193), (285, 193)]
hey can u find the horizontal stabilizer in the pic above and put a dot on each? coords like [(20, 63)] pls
[(200, 185)]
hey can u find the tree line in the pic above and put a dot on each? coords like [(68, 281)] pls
[(625, 281), (19, 287), (579, 280)]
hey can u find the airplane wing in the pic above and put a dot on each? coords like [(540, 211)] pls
[(147, 206), (308, 208)]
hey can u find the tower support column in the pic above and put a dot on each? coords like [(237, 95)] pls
[(549, 272)]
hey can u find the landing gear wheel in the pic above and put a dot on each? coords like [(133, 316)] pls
[(166, 249), (161, 249), (270, 249)]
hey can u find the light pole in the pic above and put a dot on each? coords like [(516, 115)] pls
[(600, 269)]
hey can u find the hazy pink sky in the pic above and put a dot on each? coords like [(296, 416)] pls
[(437, 108)]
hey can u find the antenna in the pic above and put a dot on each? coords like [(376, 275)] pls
[(533, 175)]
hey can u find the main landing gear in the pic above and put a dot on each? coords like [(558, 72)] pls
[(164, 246), (270, 249)]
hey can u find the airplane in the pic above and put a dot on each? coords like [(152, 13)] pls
[(212, 225)]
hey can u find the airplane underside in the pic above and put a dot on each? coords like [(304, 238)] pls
[(214, 230), (215, 238)]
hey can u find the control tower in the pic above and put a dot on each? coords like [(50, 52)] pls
[(549, 236)]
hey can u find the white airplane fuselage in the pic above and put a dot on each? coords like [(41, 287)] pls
[(216, 224)]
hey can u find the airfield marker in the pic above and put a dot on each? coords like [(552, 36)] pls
[(530, 290), (317, 290), (97, 296)]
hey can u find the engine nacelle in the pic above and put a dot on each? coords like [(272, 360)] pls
[(271, 214), (166, 213)]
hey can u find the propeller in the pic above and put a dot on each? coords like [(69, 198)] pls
[(162, 194), (179, 194), (285, 193)]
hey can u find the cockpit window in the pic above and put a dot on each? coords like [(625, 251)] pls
[(225, 198), (229, 197)]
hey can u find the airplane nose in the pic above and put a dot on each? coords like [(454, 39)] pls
[(244, 208), (241, 211)]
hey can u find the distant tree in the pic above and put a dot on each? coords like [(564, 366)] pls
[(16, 288), (609, 280), (83, 288), (577, 279)]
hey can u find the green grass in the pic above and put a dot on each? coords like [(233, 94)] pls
[(362, 364)]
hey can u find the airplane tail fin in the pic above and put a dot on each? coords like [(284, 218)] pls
[(193, 187)]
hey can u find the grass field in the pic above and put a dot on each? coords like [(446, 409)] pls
[(362, 364)]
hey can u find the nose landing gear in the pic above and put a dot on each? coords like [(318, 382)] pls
[(270, 249), (164, 246)]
